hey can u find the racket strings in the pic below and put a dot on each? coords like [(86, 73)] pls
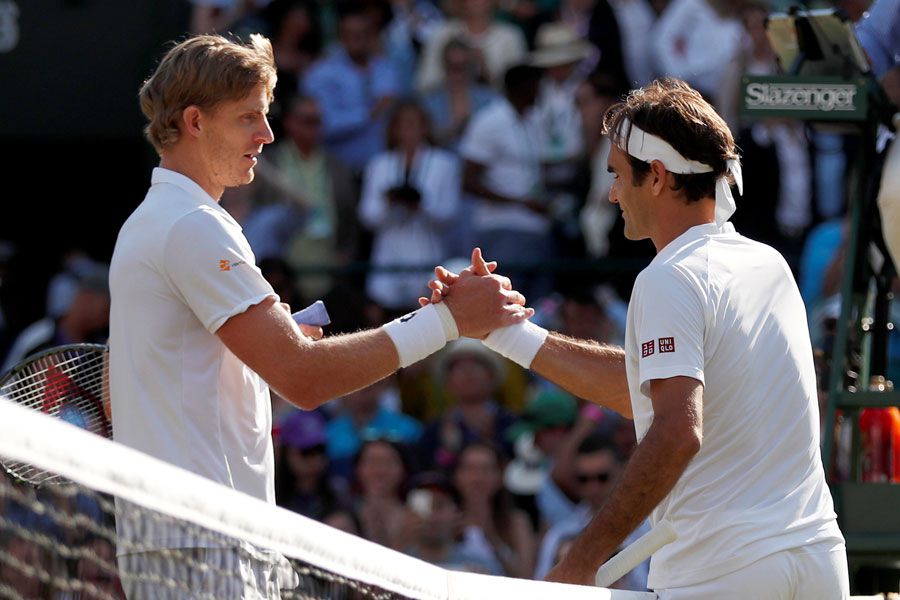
[(91, 363)]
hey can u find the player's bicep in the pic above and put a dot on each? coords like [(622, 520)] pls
[(265, 338), (678, 404)]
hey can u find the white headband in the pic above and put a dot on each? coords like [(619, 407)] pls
[(647, 147)]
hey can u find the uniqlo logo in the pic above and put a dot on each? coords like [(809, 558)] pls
[(667, 344), (648, 348)]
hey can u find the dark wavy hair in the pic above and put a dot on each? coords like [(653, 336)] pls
[(672, 110)]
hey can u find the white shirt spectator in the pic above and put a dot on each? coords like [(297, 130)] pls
[(178, 393), (723, 309), (502, 45), (556, 119), (692, 42), (635, 19), (404, 237), (507, 145)]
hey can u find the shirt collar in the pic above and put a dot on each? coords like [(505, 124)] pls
[(691, 235), (191, 187)]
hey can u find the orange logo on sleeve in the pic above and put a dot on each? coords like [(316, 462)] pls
[(224, 265)]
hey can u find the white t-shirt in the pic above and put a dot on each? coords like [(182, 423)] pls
[(723, 309), (508, 146), (181, 268)]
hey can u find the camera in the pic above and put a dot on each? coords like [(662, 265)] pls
[(405, 194)]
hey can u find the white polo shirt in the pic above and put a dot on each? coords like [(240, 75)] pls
[(181, 268), (723, 309), (509, 147)]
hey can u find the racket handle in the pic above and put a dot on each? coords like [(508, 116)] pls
[(636, 553)]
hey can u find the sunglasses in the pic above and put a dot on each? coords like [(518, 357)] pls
[(602, 477)]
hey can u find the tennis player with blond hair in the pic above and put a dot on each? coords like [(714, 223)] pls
[(197, 335), (717, 373)]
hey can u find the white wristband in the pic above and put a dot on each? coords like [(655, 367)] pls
[(422, 332), (519, 343)]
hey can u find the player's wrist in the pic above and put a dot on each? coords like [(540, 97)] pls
[(519, 343), (422, 332)]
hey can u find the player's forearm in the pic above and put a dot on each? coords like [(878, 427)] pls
[(338, 365), (654, 469), (593, 371)]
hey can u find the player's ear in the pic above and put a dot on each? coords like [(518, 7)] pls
[(658, 177), (191, 118)]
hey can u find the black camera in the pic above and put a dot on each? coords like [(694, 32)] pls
[(406, 194)]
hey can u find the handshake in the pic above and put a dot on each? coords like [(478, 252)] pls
[(475, 303)]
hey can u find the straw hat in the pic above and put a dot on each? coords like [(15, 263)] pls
[(558, 44)]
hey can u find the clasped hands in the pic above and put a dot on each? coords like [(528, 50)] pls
[(479, 299)]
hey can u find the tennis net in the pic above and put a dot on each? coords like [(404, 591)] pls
[(59, 541)]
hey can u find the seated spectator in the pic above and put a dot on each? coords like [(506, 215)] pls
[(597, 464), (294, 27), (364, 417), (355, 87), (77, 312), (539, 434), (498, 45), (409, 193), (381, 473), (302, 205), (433, 523), (302, 482), (412, 25), (597, 22), (503, 171), (469, 374), (452, 104), (494, 529)]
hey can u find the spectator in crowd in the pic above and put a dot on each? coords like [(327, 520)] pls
[(302, 206), (635, 19), (433, 522), (470, 375), (596, 465), (364, 416), (294, 27), (412, 25), (452, 104), (503, 170), (879, 34), (497, 45), (355, 87), (494, 529), (219, 16), (598, 215), (540, 433), (559, 52), (302, 482), (344, 519), (409, 192), (382, 469), (77, 312), (596, 22), (684, 35)]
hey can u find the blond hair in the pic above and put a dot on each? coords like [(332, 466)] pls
[(203, 71)]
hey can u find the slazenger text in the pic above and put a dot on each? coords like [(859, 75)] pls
[(788, 97)]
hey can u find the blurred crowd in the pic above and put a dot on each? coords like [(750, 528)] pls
[(409, 131)]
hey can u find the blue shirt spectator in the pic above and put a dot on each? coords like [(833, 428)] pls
[(879, 34), (355, 88)]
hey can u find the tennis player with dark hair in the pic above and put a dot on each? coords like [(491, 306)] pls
[(717, 373), (198, 335)]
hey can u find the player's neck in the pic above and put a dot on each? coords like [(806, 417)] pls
[(681, 217), (189, 165)]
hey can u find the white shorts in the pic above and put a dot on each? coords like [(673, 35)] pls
[(197, 573), (817, 572)]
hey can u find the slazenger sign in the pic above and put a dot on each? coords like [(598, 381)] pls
[(804, 98)]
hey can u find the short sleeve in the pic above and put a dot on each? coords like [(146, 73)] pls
[(669, 324), (209, 263), (478, 142)]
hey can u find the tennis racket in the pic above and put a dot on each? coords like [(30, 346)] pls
[(66, 382), (636, 553)]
